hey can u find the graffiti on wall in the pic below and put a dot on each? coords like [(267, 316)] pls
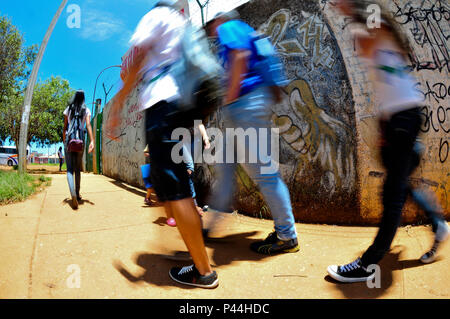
[(429, 23), (314, 135), (317, 137)]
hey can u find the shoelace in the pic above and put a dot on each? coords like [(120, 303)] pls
[(186, 269), (352, 266), (433, 249)]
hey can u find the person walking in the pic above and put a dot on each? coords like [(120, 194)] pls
[(385, 50), (157, 40), (247, 105), (145, 169), (76, 117), (61, 159)]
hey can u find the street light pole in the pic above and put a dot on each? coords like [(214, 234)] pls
[(98, 76), (23, 137)]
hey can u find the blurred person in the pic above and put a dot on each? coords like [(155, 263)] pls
[(76, 117), (145, 169), (158, 40), (385, 49), (189, 160), (247, 105)]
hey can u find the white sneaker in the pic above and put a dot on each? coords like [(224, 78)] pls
[(441, 235)]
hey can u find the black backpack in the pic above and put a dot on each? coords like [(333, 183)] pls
[(75, 133)]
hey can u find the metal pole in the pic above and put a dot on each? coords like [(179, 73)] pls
[(23, 137)]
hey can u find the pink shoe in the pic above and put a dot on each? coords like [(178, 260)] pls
[(171, 222)]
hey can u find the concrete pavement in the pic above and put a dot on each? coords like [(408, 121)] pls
[(115, 245)]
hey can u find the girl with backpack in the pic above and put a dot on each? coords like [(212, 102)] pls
[(76, 116)]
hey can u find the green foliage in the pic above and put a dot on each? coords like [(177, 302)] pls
[(16, 187), (50, 97), (15, 65)]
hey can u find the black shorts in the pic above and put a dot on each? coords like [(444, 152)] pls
[(170, 180)]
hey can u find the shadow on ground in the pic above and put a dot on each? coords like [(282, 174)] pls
[(226, 250), (390, 263), (129, 189), (68, 201), (155, 270), (161, 221)]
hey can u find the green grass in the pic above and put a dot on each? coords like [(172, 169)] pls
[(15, 187)]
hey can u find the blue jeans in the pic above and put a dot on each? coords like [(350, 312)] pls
[(252, 111), (189, 161), (74, 166)]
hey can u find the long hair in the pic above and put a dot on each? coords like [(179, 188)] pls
[(76, 102), (360, 15)]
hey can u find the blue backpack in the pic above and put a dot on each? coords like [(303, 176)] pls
[(268, 63)]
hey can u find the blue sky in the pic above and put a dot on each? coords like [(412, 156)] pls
[(79, 54)]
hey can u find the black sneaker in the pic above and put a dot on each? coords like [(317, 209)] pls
[(441, 235), (352, 272), (190, 276), (273, 245)]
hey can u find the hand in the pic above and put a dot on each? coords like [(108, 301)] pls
[(91, 147), (189, 172), (146, 154)]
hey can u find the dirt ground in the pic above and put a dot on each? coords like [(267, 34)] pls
[(37, 169)]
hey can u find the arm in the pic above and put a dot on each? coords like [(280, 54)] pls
[(205, 137), (91, 136), (238, 62), (128, 85)]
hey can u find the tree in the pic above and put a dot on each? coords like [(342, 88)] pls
[(15, 62), (46, 124)]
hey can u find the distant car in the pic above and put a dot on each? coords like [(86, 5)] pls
[(9, 155)]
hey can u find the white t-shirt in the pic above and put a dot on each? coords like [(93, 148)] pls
[(161, 29), (395, 88), (83, 122)]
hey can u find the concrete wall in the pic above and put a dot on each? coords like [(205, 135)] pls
[(123, 155), (328, 115)]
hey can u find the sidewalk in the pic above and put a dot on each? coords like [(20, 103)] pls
[(118, 244)]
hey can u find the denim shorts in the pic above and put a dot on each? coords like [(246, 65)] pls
[(170, 180)]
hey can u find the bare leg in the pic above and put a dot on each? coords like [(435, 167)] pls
[(168, 209), (190, 227), (149, 193)]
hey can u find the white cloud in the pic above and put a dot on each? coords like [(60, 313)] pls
[(99, 25)]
